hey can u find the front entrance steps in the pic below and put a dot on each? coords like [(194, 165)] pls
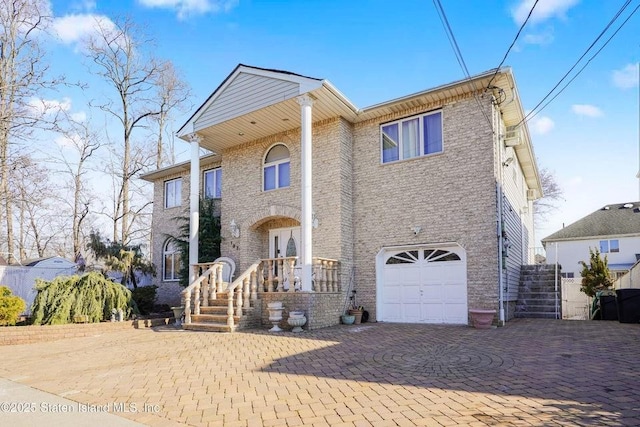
[(213, 318)]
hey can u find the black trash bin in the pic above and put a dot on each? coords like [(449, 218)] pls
[(608, 307), (628, 301)]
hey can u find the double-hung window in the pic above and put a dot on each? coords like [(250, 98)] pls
[(276, 168), (170, 262), (173, 193), (412, 137), (608, 246), (213, 184)]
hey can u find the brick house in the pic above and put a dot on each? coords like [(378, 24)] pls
[(423, 204)]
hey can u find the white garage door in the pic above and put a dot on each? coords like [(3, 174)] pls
[(424, 285)]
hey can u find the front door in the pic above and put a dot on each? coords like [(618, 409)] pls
[(284, 242)]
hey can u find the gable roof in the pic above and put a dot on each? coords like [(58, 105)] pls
[(253, 103), (611, 220)]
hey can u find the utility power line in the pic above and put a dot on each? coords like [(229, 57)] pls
[(533, 112), (585, 65), (512, 44), (456, 50)]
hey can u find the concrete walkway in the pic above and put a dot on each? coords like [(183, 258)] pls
[(530, 372)]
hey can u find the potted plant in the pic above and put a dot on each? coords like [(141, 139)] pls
[(355, 310)]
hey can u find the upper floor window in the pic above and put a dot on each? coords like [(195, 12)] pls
[(276, 168), (170, 262), (413, 137), (173, 193), (608, 246), (213, 184)]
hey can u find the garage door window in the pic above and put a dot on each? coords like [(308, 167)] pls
[(408, 257), (431, 255)]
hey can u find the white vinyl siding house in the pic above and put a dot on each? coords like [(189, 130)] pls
[(614, 230)]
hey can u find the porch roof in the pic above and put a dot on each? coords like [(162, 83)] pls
[(179, 168), (253, 103)]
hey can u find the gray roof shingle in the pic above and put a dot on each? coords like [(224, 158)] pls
[(610, 220)]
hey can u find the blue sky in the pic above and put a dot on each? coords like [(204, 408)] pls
[(379, 50)]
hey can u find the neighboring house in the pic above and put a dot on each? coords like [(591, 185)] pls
[(21, 278), (425, 200), (614, 230)]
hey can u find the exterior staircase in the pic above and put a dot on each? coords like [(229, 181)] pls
[(537, 296), (213, 317)]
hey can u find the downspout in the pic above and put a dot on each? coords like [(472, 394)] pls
[(501, 316), (555, 278)]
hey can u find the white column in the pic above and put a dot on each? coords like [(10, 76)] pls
[(306, 103), (194, 204)]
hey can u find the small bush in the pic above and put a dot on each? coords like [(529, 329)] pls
[(145, 298), (10, 307)]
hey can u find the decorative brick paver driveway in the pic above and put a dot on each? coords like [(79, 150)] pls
[(531, 372)]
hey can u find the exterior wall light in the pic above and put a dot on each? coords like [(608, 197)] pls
[(234, 228)]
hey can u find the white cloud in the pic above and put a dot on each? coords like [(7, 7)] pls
[(586, 110), (541, 125), (627, 77), (47, 106), (543, 38), (187, 8), (545, 9), (75, 28), (80, 116), (64, 141)]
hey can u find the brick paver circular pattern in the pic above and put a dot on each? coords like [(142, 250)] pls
[(442, 360)]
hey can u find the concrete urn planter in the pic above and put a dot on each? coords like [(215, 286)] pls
[(481, 319), (297, 320)]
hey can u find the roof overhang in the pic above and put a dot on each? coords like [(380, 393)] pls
[(179, 168)]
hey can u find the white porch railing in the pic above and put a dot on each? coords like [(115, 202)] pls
[(265, 275)]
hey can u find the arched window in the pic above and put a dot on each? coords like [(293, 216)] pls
[(276, 168), (170, 262)]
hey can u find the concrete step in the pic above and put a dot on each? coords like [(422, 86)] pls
[(524, 296), (535, 288), (215, 309), (534, 315), (212, 318), (208, 327), (536, 308)]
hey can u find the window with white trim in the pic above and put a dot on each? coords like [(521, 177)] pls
[(173, 193), (608, 246), (569, 275), (413, 137), (276, 168), (213, 184), (170, 262)]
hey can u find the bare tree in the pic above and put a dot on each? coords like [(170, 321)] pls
[(81, 143), (171, 94), (23, 70), (32, 193), (551, 195), (118, 55)]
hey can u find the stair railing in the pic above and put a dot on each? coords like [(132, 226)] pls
[(242, 291), (206, 286)]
